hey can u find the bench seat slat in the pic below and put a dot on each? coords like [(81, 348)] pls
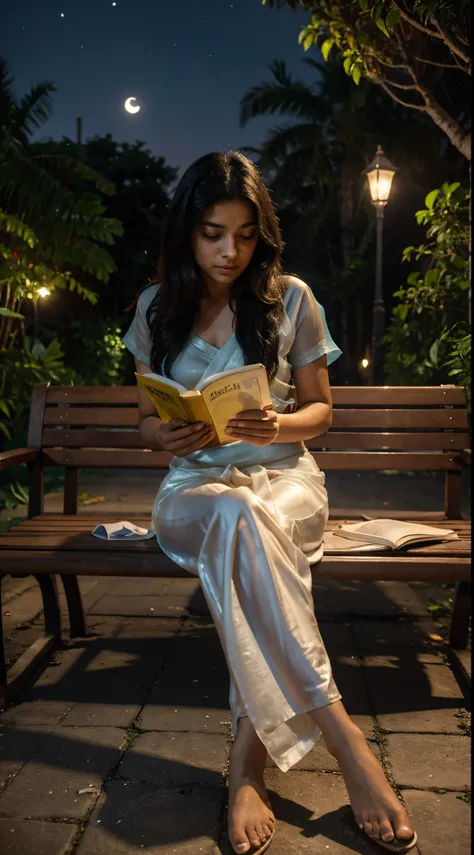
[(66, 537), (56, 522), (382, 567)]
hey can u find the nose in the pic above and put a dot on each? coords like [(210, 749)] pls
[(229, 249)]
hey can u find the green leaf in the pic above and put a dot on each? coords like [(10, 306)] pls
[(430, 199), (326, 48), (356, 75), (459, 262), (364, 5), (393, 18), (7, 313), (348, 63), (452, 188), (381, 25), (432, 276), (309, 41), (434, 352), (5, 430)]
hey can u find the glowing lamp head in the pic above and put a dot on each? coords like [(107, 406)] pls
[(365, 363), (43, 292), (380, 175)]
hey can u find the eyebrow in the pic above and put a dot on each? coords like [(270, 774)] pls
[(220, 226)]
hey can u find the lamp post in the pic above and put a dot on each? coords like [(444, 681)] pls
[(379, 174), (41, 292)]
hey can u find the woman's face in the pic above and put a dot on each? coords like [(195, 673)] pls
[(223, 242)]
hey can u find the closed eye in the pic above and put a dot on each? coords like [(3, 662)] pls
[(217, 237)]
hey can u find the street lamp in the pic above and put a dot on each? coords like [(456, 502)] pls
[(379, 174), (40, 292)]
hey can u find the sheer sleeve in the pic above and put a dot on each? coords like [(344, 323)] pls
[(137, 339), (312, 337)]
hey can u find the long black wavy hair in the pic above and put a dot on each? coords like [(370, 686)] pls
[(256, 296)]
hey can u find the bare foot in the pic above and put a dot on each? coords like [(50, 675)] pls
[(377, 810), (250, 817)]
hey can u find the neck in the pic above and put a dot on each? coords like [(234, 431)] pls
[(216, 293)]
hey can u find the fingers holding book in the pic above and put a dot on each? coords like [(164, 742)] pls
[(259, 427), (182, 438)]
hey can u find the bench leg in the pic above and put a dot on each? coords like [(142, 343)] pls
[(77, 621), (27, 664), (51, 610), (3, 666), (459, 632)]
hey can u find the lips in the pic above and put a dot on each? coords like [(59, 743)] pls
[(227, 269)]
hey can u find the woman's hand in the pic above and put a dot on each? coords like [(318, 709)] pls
[(182, 438), (259, 427)]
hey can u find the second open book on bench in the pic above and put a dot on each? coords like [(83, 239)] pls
[(394, 534), (214, 400)]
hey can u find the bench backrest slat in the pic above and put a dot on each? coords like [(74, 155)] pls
[(80, 437)]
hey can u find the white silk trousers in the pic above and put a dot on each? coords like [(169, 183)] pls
[(250, 534)]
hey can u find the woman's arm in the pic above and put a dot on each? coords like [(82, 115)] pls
[(314, 402), (149, 421)]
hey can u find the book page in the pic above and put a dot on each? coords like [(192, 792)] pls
[(394, 530), (333, 543), (167, 400), (164, 381), (225, 398), (257, 369)]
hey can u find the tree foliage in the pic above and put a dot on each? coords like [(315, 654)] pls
[(313, 164), (406, 48), (428, 337), (47, 230)]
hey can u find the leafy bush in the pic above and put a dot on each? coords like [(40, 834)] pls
[(91, 354), (427, 339), (95, 352), (20, 370)]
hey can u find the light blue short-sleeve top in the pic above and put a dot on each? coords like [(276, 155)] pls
[(303, 338)]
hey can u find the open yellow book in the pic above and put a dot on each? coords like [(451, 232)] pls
[(393, 533), (214, 401)]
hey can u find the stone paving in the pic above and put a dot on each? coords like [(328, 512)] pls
[(121, 745)]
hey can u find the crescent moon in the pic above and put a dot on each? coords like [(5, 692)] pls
[(130, 108)]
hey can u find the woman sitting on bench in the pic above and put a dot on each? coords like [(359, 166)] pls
[(248, 517)]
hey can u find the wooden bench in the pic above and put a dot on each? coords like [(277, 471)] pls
[(374, 428)]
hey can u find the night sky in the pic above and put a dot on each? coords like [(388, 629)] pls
[(187, 62)]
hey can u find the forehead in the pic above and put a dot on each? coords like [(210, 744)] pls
[(232, 214)]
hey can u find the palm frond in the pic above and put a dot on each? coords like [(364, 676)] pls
[(296, 99), (64, 161), (32, 111)]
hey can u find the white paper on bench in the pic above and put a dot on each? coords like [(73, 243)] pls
[(122, 530)]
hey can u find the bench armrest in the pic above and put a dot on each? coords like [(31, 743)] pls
[(466, 456), (17, 456)]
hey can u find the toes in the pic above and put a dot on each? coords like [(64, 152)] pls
[(241, 847), (254, 838), (375, 830), (403, 831), (386, 831), (240, 842), (367, 826), (267, 830)]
